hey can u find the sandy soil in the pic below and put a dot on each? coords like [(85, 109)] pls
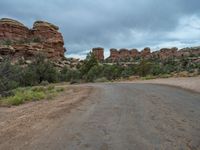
[(19, 124), (190, 83)]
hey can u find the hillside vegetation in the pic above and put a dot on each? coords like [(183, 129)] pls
[(42, 72)]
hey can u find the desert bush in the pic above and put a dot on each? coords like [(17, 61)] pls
[(40, 71), (112, 72), (88, 63), (9, 76), (67, 74), (44, 70), (60, 89), (156, 69), (44, 83), (36, 40), (127, 72), (7, 42), (94, 73), (102, 79), (148, 77), (51, 87), (144, 68), (22, 95)]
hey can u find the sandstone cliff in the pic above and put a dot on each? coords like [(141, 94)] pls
[(99, 53), (164, 53), (17, 40)]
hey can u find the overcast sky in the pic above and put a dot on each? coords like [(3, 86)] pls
[(113, 23)]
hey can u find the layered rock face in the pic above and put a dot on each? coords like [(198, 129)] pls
[(114, 54), (18, 41), (13, 30), (134, 53), (52, 40), (99, 53), (164, 53), (123, 53), (146, 52)]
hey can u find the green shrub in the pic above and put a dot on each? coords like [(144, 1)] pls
[(15, 100), (144, 68), (60, 89), (38, 89), (74, 81), (50, 88), (44, 83), (112, 72), (88, 63), (9, 76), (69, 74), (7, 42), (164, 75), (94, 73), (44, 70), (148, 77), (103, 79), (37, 40), (127, 72), (22, 95), (38, 96)]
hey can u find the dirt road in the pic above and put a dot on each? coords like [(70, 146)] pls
[(119, 116)]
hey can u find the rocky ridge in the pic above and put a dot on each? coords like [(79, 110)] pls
[(164, 53)]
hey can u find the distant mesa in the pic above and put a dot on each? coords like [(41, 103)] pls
[(17, 40)]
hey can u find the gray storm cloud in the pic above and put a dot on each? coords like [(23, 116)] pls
[(113, 23)]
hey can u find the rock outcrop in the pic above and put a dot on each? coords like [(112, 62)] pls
[(13, 30), (122, 54), (146, 52), (16, 40), (164, 53), (99, 53), (125, 54)]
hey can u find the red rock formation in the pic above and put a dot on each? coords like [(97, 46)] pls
[(124, 53), (13, 30), (114, 54), (165, 53), (99, 53), (17, 40), (134, 53), (146, 52), (52, 39), (188, 51)]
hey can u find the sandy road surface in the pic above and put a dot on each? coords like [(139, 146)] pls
[(119, 116), (190, 83)]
